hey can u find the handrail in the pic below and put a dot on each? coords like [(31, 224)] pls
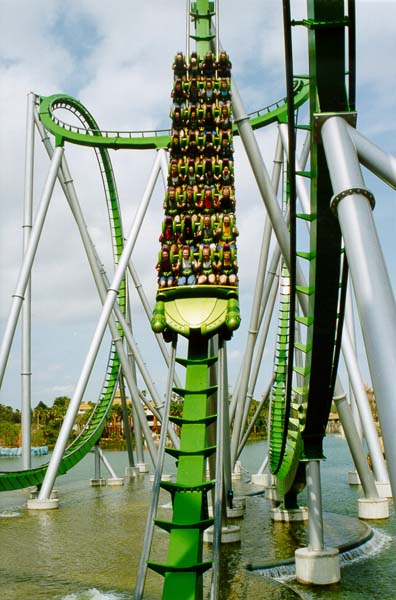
[(145, 139)]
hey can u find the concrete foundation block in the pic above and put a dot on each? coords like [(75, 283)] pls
[(35, 492), (353, 478), (143, 467), (237, 472), (236, 512), (285, 515), (271, 493), (384, 489), (115, 481), (164, 477), (261, 479), (101, 482), (373, 508), (36, 504), (230, 534), (238, 509), (131, 472), (317, 567)]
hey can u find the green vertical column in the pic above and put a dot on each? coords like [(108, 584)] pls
[(184, 562), (203, 11)]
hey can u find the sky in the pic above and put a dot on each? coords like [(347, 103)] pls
[(116, 58)]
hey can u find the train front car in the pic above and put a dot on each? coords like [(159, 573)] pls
[(197, 261)]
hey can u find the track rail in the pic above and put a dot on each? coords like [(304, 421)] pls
[(300, 436), (91, 434), (144, 140)]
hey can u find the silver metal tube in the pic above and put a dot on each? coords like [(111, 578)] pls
[(26, 347), (252, 336), (125, 419), (164, 167), (350, 325), (156, 485), (143, 371), (314, 501), (266, 189), (374, 294), (260, 172), (355, 445), (102, 284), (106, 462), (219, 485), (27, 263), (260, 405), (263, 465), (305, 151), (97, 461), (302, 191), (371, 156), (262, 178), (217, 21), (255, 320), (366, 416), (212, 410), (268, 289), (227, 468), (188, 30), (137, 430), (264, 333), (149, 311), (96, 342), (66, 182)]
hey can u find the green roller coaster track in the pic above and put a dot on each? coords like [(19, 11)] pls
[(298, 423), (298, 418), (145, 140), (89, 134), (91, 434)]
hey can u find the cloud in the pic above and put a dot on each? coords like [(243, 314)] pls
[(117, 60)]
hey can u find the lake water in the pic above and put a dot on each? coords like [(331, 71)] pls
[(89, 549)]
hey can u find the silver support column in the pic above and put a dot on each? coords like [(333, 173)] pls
[(242, 401), (219, 486), (314, 501), (355, 444), (149, 311), (217, 33), (374, 294), (227, 466), (350, 325), (26, 362), (366, 416), (266, 189), (148, 536), (187, 30), (104, 318), (97, 462), (125, 419), (102, 284), (27, 263), (316, 564), (379, 162)]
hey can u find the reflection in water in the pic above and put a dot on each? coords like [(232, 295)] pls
[(89, 549), (94, 594)]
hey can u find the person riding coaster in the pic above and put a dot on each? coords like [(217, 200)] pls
[(166, 268), (205, 271), (227, 266), (186, 267)]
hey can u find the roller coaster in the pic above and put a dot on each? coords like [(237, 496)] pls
[(319, 247)]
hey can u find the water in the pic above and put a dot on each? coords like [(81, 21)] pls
[(89, 549)]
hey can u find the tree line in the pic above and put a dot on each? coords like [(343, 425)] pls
[(47, 421)]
